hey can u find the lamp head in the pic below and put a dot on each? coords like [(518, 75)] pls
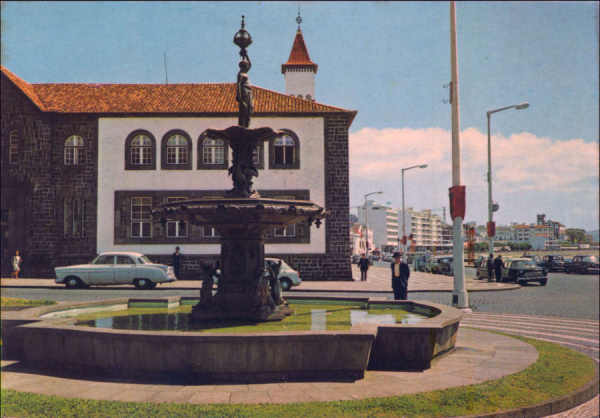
[(522, 106), (423, 166)]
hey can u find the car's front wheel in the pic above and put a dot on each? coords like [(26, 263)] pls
[(142, 283), (73, 282), (286, 283)]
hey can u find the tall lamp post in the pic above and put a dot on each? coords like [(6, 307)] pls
[(403, 210), (367, 220), (491, 230)]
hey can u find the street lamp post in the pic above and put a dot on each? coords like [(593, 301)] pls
[(491, 207), (403, 210), (367, 220)]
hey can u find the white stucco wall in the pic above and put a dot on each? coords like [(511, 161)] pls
[(112, 176), (300, 82)]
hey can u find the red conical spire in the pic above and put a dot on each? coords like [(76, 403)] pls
[(299, 57)]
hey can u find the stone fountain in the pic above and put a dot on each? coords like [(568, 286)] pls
[(242, 217)]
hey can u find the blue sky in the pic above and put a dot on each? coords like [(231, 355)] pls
[(388, 60)]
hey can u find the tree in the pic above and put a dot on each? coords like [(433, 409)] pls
[(576, 235)]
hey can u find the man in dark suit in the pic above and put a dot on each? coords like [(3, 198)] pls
[(363, 263), (400, 275)]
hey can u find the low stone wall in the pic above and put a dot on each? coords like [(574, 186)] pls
[(201, 357), (57, 344)]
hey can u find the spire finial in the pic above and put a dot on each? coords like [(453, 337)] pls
[(243, 25), (298, 19)]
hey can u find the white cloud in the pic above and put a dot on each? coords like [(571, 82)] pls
[(523, 166)]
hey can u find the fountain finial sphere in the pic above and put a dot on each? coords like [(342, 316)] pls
[(242, 38)]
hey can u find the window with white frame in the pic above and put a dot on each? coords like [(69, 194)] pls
[(141, 217), (285, 148), (13, 146), (209, 232), (177, 149), (213, 151), (141, 150), (175, 228), (74, 150), (74, 212), (285, 231)]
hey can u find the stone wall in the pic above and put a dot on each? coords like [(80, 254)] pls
[(38, 175)]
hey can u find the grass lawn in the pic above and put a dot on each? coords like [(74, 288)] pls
[(17, 302), (557, 372)]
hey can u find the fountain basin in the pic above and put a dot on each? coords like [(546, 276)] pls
[(58, 344)]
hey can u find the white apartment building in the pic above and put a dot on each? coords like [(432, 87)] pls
[(383, 221), (428, 229)]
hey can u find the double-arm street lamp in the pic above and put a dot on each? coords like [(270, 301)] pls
[(403, 210), (367, 220), (491, 206)]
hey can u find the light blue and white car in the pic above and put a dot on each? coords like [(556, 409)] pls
[(288, 277), (110, 268)]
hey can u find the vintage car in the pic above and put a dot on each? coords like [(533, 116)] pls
[(553, 262), (583, 264), (523, 270), (110, 268), (441, 265), (288, 277), (536, 258)]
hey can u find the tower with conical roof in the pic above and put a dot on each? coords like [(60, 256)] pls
[(299, 71)]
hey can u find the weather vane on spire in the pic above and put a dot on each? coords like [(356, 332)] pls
[(298, 19)]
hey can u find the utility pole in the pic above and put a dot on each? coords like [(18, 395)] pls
[(460, 298)]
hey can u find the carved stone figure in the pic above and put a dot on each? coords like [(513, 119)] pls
[(244, 91), (274, 282)]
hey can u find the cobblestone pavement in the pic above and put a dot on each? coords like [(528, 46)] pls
[(578, 334)]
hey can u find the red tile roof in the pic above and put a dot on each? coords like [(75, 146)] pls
[(160, 98), (299, 55)]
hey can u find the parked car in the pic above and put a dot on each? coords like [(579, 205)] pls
[(288, 277), (536, 258), (583, 264), (482, 273), (441, 265), (523, 270), (116, 268), (553, 262), (388, 258), (479, 260)]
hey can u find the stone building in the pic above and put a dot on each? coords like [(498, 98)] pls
[(83, 165)]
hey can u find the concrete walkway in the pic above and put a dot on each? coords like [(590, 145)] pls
[(479, 356), (378, 280)]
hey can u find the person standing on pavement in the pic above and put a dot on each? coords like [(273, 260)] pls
[(490, 267), (363, 263), (176, 261), (400, 275), (498, 265), (16, 264)]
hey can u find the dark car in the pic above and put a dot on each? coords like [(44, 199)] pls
[(523, 270), (479, 260), (536, 258), (583, 264), (441, 265), (552, 262)]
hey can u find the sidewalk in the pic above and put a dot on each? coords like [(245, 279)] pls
[(378, 281)]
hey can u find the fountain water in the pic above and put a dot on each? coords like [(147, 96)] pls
[(242, 217)]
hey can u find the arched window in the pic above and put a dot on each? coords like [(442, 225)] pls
[(212, 153), (176, 151), (74, 150), (140, 151), (284, 151)]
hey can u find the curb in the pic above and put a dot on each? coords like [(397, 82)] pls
[(554, 406)]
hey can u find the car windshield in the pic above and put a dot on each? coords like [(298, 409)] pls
[(590, 259), (144, 260), (522, 264)]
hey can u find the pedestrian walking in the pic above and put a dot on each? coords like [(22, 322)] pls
[(498, 265), (490, 267), (400, 275), (16, 264), (363, 263), (176, 261)]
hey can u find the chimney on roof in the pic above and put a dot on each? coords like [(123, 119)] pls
[(299, 71)]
